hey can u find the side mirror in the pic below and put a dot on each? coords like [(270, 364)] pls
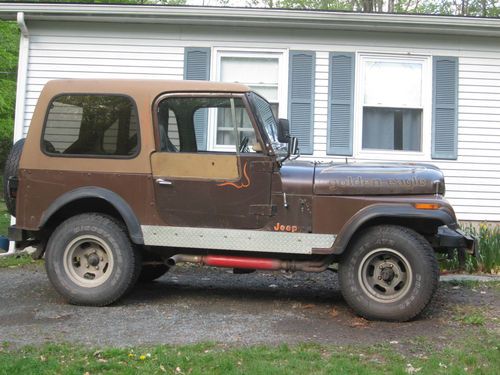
[(293, 146), (283, 130)]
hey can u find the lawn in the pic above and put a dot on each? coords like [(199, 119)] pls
[(477, 356)]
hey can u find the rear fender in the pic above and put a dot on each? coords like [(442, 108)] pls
[(123, 208)]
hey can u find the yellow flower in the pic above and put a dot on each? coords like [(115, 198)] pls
[(142, 357), (131, 355)]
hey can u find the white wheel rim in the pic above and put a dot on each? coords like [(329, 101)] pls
[(88, 261), (385, 275)]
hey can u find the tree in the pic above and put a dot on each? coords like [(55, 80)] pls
[(140, 2), (8, 74), (483, 8)]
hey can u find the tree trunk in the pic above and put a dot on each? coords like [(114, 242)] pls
[(390, 6)]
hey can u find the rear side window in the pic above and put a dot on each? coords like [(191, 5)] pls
[(94, 125)]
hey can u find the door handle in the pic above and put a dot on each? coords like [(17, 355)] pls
[(161, 181)]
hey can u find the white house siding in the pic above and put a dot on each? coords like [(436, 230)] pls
[(81, 50)]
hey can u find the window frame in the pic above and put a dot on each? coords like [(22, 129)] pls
[(360, 72), (215, 75), (192, 94), (91, 156)]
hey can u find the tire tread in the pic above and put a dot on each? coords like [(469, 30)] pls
[(426, 252), (103, 221)]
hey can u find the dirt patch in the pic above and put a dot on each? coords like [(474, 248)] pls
[(192, 304)]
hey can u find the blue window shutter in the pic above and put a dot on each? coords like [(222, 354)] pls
[(445, 107), (197, 64), (197, 67), (302, 69), (340, 103)]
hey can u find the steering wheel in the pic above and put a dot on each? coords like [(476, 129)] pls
[(244, 144), (49, 147)]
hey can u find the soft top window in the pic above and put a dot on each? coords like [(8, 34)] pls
[(91, 124), (184, 123)]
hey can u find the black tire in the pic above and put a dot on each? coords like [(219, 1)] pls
[(152, 272), (389, 273), (11, 170), (78, 247)]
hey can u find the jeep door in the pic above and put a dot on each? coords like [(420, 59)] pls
[(208, 170)]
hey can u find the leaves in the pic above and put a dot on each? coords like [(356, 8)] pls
[(483, 8), (9, 49)]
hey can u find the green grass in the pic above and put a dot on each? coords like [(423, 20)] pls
[(475, 284), (469, 315), (4, 219), (480, 355), (18, 260)]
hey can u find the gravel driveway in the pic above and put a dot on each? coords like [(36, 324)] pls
[(192, 304)]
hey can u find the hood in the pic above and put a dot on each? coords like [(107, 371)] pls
[(377, 179)]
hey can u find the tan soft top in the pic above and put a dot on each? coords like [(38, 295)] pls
[(134, 87)]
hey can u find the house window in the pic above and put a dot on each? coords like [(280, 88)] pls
[(394, 109), (264, 73)]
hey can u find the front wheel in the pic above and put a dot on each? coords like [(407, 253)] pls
[(90, 260), (389, 273)]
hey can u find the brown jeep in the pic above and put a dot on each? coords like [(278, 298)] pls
[(119, 180)]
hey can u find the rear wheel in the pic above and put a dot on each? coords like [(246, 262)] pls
[(90, 260), (389, 273)]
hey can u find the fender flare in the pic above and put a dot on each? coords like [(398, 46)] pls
[(126, 212), (381, 210)]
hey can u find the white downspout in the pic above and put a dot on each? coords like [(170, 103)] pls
[(22, 72)]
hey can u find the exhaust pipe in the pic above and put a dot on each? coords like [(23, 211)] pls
[(251, 263)]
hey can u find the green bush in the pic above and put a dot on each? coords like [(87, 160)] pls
[(488, 261), (6, 132), (9, 45)]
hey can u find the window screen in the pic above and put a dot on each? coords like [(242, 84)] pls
[(392, 105), (96, 125), (261, 74)]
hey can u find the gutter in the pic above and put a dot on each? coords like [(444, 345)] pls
[(22, 24), (255, 17)]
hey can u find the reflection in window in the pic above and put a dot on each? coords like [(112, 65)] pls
[(91, 125)]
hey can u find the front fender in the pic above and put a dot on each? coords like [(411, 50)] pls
[(386, 211), (126, 212)]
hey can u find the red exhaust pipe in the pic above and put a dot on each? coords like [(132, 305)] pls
[(251, 263), (242, 262)]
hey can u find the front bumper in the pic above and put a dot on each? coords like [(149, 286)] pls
[(449, 239)]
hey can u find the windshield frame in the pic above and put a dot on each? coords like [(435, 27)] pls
[(280, 149)]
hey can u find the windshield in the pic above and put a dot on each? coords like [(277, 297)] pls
[(266, 118)]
